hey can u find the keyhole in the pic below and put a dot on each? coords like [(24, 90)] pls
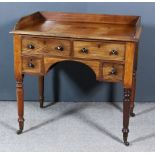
[(99, 45)]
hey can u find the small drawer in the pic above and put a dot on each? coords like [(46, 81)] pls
[(99, 50), (58, 47), (32, 45), (113, 72), (31, 64)]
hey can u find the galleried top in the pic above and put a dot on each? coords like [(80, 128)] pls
[(76, 25)]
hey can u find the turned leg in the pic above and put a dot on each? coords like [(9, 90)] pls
[(20, 103), (132, 104), (126, 114), (41, 90)]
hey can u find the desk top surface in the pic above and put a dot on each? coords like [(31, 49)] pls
[(86, 26)]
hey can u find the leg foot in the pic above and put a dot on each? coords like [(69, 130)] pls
[(21, 126), (132, 114), (126, 143), (41, 103), (125, 136), (19, 131)]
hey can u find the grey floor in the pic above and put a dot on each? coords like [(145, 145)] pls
[(76, 127)]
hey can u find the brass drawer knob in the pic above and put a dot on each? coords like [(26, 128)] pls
[(113, 52), (59, 48), (84, 50), (113, 71), (31, 65), (30, 46)]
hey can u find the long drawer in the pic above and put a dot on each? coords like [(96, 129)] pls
[(99, 50), (56, 47)]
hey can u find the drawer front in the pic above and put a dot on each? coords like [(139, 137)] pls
[(56, 47), (99, 50), (32, 65), (32, 45), (113, 72)]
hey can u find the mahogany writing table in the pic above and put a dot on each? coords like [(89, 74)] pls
[(108, 44)]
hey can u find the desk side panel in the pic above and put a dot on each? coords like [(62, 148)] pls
[(17, 57), (129, 64)]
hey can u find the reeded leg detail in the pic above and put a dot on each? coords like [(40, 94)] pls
[(41, 90), (126, 114), (20, 102)]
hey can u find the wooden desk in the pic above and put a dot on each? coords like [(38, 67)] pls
[(108, 44)]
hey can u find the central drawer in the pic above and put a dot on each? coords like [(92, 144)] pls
[(51, 46), (99, 50)]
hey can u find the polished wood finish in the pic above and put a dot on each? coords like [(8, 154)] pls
[(55, 47), (134, 83), (17, 58), (133, 95), (99, 50), (20, 101), (95, 65), (129, 64), (93, 26), (126, 114), (113, 72), (90, 18), (108, 44), (32, 64), (32, 45), (19, 81)]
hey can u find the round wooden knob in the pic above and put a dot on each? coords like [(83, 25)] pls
[(30, 46), (113, 71), (59, 48), (114, 52), (31, 65), (84, 50)]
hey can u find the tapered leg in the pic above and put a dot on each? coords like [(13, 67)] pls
[(20, 103), (132, 104), (126, 114), (41, 90)]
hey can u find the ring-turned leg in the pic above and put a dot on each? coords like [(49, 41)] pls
[(41, 90), (126, 114), (20, 103), (132, 104)]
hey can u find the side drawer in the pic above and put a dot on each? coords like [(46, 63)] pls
[(113, 72), (32, 64), (99, 50)]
